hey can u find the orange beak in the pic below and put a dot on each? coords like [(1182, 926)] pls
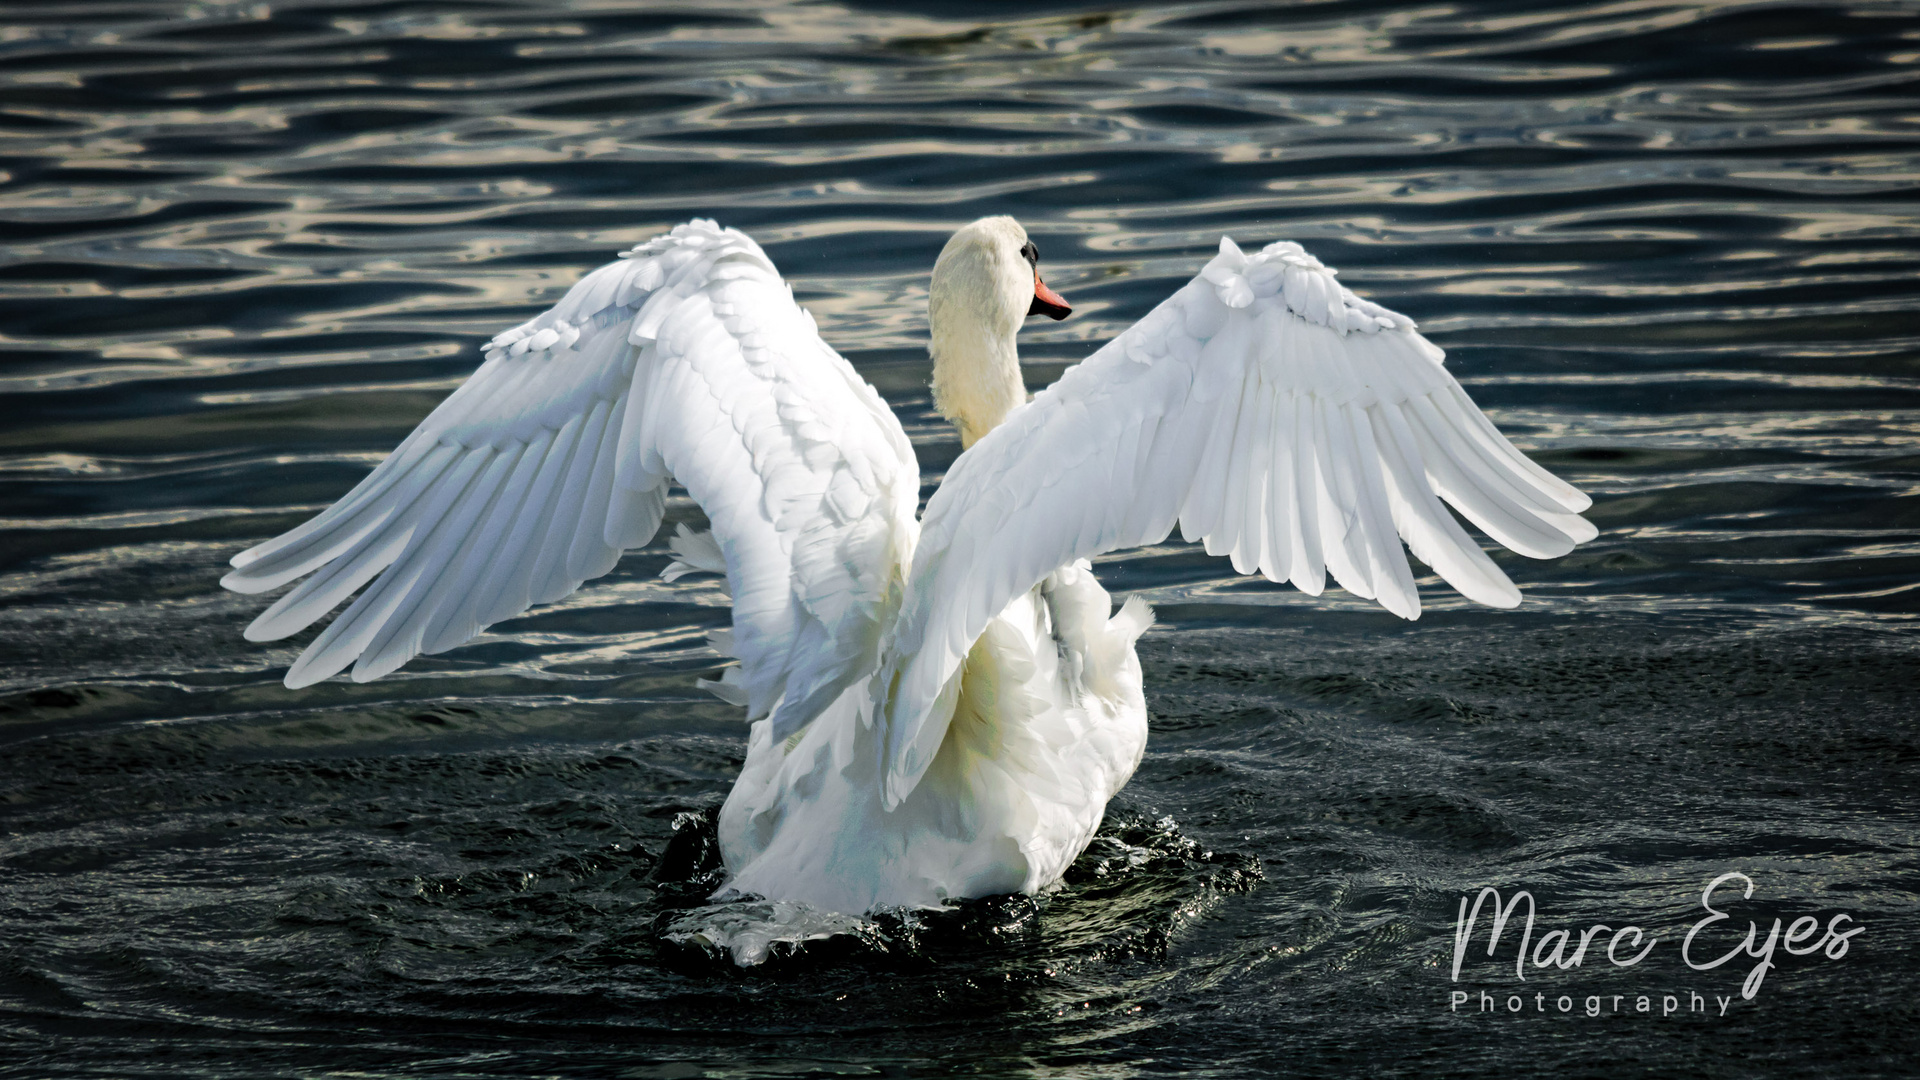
[(1047, 302)]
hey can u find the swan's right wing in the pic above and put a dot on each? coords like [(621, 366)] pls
[(1286, 422), (687, 360)]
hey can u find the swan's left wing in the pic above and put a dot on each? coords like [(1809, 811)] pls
[(686, 359), (1289, 424)]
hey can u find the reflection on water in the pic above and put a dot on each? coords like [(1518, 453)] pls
[(1671, 246)]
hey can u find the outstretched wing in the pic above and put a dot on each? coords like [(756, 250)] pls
[(686, 360), (1286, 422)]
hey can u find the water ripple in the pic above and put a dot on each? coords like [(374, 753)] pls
[(245, 246)]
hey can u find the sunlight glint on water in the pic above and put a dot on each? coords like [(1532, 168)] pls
[(1671, 248)]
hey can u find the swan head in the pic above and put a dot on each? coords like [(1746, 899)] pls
[(985, 284)]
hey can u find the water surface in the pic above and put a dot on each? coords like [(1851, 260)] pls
[(1671, 247)]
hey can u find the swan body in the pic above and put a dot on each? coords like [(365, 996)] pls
[(1050, 723), (940, 707)]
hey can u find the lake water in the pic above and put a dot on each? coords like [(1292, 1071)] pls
[(1672, 248)]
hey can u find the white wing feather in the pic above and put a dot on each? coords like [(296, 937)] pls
[(686, 360), (1290, 425)]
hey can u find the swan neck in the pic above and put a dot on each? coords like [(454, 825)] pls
[(976, 374)]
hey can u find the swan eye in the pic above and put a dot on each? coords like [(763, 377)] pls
[(1031, 253)]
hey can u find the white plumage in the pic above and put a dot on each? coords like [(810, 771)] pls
[(941, 708), (687, 360)]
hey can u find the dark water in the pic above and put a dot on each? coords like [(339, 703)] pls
[(1672, 247)]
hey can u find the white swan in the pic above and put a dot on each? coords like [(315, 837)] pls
[(940, 708)]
